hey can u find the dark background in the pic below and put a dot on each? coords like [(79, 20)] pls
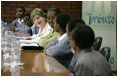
[(8, 8)]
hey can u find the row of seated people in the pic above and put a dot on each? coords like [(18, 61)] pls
[(67, 39)]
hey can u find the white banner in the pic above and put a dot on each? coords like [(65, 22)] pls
[(102, 17)]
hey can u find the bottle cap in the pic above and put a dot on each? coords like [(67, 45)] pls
[(14, 34), (17, 39), (1, 21), (4, 25), (7, 29)]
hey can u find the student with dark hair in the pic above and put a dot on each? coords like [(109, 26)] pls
[(18, 25), (61, 48), (23, 8), (72, 23), (57, 11), (70, 26), (27, 21), (52, 12), (89, 62), (45, 11)]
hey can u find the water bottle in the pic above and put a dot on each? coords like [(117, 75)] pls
[(17, 51), (3, 29), (2, 39), (7, 59), (15, 68), (4, 26), (6, 34), (1, 21), (7, 37), (14, 36), (15, 71)]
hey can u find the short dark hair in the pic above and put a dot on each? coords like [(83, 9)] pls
[(72, 23), (62, 19), (28, 15), (45, 11), (83, 36), (23, 8), (55, 9)]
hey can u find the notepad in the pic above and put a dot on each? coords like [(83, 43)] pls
[(30, 46)]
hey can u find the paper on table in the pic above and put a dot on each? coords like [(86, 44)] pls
[(32, 44), (21, 37), (26, 41)]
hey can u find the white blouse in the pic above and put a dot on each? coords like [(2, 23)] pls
[(45, 31)]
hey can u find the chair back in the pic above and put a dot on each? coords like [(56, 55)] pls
[(97, 43), (105, 51)]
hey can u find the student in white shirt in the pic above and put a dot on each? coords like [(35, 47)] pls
[(60, 49), (18, 25)]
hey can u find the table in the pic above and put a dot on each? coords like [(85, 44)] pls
[(43, 64), (47, 65)]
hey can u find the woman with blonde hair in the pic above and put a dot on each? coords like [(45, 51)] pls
[(39, 18)]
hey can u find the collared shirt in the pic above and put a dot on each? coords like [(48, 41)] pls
[(72, 50), (92, 63), (73, 62), (52, 36), (45, 31), (20, 21), (61, 50), (62, 37), (59, 38), (20, 25)]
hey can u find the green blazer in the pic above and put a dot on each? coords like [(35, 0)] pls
[(52, 36)]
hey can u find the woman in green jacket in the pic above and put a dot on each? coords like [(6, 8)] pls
[(52, 36)]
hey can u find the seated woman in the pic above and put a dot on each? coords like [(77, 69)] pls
[(70, 26), (89, 62), (18, 25), (52, 36), (34, 28), (39, 18), (60, 49)]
